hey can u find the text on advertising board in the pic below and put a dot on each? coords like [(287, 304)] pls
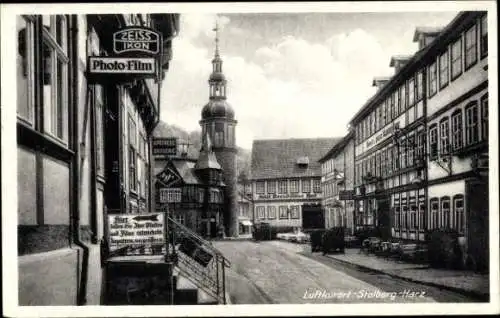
[(165, 146), (121, 65), (136, 229), (135, 39)]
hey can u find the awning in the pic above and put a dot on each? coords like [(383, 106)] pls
[(246, 223)]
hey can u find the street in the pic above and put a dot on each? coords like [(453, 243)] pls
[(277, 272)]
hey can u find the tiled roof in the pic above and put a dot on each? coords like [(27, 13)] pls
[(277, 158), (186, 171)]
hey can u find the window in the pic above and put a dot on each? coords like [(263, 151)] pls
[(413, 216), (421, 216), (393, 106), (294, 186), (411, 92), (470, 47), (306, 185), (456, 129), (25, 69), (445, 212), (381, 118), (294, 212), (443, 70), (444, 135), (471, 124), (55, 78), (283, 187), (261, 212), (271, 186), (403, 154), (411, 150), (316, 185), (459, 216), (170, 195), (404, 216), (397, 98), (404, 98), (132, 136), (432, 79), (419, 88), (397, 212), (456, 59), (386, 112), (283, 212), (219, 135), (433, 221), (260, 187), (373, 120), (420, 145), (484, 36), (484, 117), (433, 145), (271, 212)]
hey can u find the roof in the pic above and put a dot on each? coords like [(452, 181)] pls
[(427, 31), (337, 148), (186, 171), (403, 58), (207, 159), (443, 38), (277, 158)]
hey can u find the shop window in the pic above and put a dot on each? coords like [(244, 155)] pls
[(260, 187), (316, 185), (25, 68), (271, 186), (271, 212), (261, 212), (433, 144), (433, 79), (484, 35), (459, 215), (456, 129), (445, 212), (444, 136), (434, 215), (294, 186), (484, 117), (282, 187), (443, 70), (456, 59), (26, 187), (294, 211), (283, 212), (471, 124), (470, 47)]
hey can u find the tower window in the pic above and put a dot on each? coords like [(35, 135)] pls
[(219, 134)]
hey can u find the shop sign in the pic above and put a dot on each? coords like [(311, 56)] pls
[(135, 229), (168, 177), (136, 39), (346, 195), (121, 65), (165, 146)]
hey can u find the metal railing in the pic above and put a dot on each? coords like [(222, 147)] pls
[(198, 260)]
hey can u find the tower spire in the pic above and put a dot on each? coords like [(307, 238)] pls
[(216, 29)]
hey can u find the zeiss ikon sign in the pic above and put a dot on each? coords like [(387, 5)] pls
[(134, 39)]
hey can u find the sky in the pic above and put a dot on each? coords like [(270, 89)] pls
[(290, 75)]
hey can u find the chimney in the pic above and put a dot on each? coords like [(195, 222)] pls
[(425, 35), (398, 61), (380, 81)]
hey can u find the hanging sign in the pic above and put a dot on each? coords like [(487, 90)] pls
[(165, 146), (121, 65), (136, 39)]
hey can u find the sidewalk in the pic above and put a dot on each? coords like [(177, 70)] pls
[(465, 282)]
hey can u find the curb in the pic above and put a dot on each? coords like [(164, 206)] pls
[(465, 292)]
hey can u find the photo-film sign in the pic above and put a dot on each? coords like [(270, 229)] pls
[(136, 229), (135, 54)]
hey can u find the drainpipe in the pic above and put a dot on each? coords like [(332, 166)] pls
[(82, 292)]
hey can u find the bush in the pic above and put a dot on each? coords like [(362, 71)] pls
[(443, 249)]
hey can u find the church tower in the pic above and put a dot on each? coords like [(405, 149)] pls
[(217, 120)]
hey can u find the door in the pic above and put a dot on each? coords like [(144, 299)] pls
[(477, 207)]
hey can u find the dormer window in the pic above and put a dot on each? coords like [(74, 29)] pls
[(303, 161)]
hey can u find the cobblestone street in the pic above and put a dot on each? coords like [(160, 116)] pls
[(278, 272)]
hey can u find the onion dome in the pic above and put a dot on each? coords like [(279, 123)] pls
[(217, 108)]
